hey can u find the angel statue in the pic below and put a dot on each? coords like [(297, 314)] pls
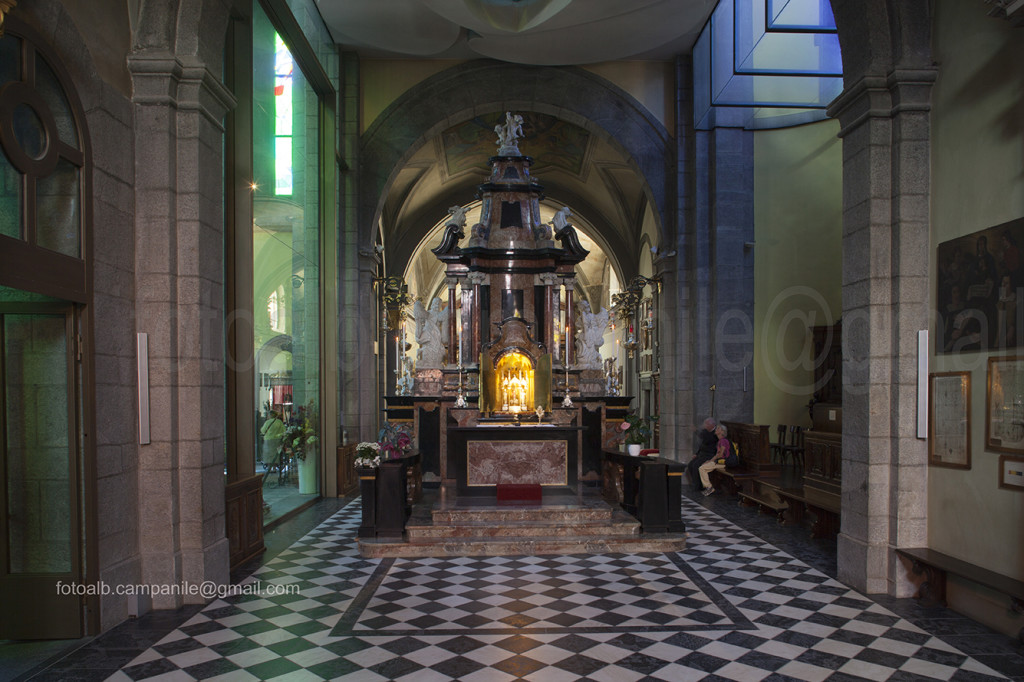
[(453, 231), (430, 334), (590, 337), (561, 219), (458, 216), (509, 134)]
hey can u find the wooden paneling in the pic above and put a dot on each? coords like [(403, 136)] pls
[(348, 482), (823, 468), (754, 443), (244, 507)]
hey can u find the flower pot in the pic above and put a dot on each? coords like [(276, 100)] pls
[(635, 448), (307, 475)]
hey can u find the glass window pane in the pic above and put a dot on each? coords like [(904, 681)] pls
[(53, 94), (286, 247), (29, 131), (10, 199), (10, 59), (800, 14), (35, 386), (58, 206)]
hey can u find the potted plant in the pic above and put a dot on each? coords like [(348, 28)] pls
[(393, 443), (637, 432)]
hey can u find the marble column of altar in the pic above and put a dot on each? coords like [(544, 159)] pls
[(453, 322), (476, 279), (549, 280), (570, 321)]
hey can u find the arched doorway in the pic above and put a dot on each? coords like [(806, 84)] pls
[(45, 297)]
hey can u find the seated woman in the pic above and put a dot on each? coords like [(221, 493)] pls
[(717, 462)]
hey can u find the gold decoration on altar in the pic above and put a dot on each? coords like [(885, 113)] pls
[(5, 7), (394, 293)]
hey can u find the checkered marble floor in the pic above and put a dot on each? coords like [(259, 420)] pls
[(730, 607)]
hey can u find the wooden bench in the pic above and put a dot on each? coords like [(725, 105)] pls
[(732, 481), (763, 494), (796, 511), (820, 513), (935, 565)]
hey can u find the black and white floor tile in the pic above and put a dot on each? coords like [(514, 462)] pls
[(730, 607)]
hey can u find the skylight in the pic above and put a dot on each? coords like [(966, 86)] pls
[(766, 64)]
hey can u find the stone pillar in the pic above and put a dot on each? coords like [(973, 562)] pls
[(886, 176), (723, 272), (675, 315), (362, 376), (179, 245)]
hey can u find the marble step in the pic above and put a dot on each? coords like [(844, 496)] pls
[(523, 546), (523, 513), (621, 524)]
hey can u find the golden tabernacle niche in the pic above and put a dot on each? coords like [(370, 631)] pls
[(515, 373)]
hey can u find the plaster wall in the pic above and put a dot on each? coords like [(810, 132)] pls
[(383, 80), (977, 182), (797, 262), (651, 83)]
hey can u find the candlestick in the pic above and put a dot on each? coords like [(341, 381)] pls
[(567, 401)]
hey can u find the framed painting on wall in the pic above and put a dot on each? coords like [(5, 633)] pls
[(949, 420), (1011, 472), (980, 290), (1004, 405)]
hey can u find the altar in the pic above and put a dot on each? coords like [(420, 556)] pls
[(509, 386), (482, 457)]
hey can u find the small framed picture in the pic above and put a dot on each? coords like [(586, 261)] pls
[(1011, 472), (949, 420), (1004, 405)]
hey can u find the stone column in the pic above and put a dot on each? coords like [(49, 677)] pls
[(886, 176), (723, 272), (363, 376), (179, 245), (676, 317)]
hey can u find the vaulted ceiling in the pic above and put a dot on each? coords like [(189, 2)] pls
[(576, 168)]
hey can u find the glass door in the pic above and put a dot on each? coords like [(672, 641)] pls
[(40, 547)]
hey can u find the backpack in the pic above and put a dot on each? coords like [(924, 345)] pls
[(732, 460)]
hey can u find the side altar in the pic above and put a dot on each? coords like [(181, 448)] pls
[(509, 386)]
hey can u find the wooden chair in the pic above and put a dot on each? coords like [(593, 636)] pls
[(795, 447), (777, 448)]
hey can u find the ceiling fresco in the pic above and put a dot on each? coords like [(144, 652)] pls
[(550, 141)]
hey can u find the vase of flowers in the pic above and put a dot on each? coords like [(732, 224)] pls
[(367, 455), (637, 431), (301, 441)]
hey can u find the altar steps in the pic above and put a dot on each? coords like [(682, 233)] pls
[(484, 528)]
